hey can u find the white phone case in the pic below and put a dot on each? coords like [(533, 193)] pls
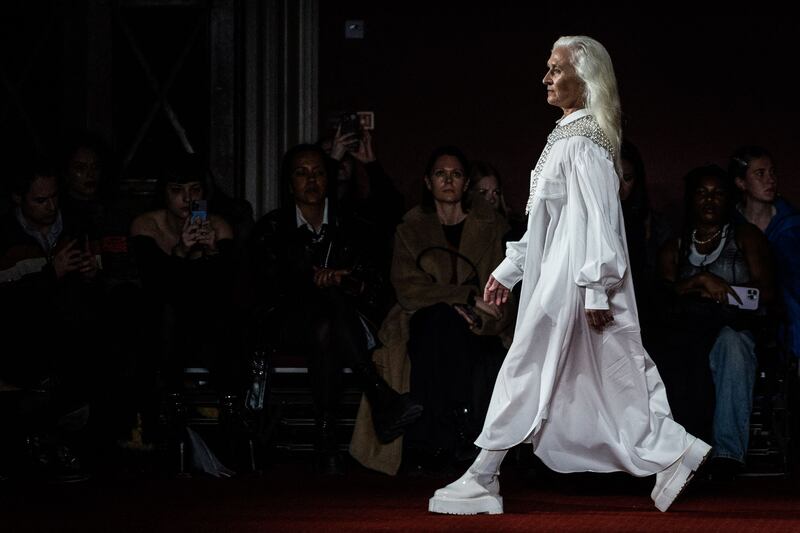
[(749, 296)]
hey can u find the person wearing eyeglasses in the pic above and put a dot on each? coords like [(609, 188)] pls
[(576, 383), (442, 342)]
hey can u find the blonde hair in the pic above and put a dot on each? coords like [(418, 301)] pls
[(594, 68)]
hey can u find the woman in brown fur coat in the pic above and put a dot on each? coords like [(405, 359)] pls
[(441, 341)]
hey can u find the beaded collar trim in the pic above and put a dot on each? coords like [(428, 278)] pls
[(585, 126)]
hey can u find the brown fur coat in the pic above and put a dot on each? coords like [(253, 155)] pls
[(421, 280)]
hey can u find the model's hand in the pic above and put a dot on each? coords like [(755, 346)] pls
[(495, 293), (599, 318)]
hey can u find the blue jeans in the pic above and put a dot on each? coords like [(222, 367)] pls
[(733, 367)]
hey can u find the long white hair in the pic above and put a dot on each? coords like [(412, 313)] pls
[(593, 66)]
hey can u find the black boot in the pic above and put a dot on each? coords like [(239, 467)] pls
[(328, 461), (465, 450), (391, 411)]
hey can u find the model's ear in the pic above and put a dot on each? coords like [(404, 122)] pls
[(16, 198), (740, 183), (428, 183)]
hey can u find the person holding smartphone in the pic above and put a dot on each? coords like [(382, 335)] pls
[(362, 187), (709, 368), (186, 260), (49, 292)]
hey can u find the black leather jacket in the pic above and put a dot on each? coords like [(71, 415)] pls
[(282, 259)]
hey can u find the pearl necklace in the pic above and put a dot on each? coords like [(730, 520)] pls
[(700, 243)]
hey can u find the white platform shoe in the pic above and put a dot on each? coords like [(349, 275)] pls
[(476, 492), (671, 481)]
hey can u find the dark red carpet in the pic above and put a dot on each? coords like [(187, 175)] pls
[(288, 498)]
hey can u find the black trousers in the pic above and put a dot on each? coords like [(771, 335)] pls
[(324, 326), (679, 346), (452, 375)]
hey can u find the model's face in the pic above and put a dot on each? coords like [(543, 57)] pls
[(83, 173), (628, 180), (489, 188), (447, 181), (309, 179), (39, 205), (564, 88), (180, 197), (760, 183), (710, 201)]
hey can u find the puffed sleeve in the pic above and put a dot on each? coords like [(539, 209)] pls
[(597, 251), (510, 270)]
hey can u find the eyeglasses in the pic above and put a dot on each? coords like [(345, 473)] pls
[(442, 175)]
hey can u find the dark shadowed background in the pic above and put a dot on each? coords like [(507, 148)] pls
[(694, 85)]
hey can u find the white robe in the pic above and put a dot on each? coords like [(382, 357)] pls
[(588, 401)]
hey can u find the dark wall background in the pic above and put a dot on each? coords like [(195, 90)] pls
[(694, 86)]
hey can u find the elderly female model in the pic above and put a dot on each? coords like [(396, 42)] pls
[(576, 382)]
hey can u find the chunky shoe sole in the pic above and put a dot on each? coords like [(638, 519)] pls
[(688, 463), (488, 504)]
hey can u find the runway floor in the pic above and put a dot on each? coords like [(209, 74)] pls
[(289, 497)]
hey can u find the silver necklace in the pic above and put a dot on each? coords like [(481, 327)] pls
[(699, 242)]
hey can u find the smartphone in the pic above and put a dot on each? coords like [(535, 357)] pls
[(350, 123), (477, 321), (748, 295), (199, 211)]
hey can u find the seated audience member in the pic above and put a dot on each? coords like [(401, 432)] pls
[(186, 263), (441, 341), (313, 274), (89, 198), (646, 230), (485, 181), (706, 354), (48, 294), (85, 182), (753, 170)]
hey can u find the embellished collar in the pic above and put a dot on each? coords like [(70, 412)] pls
[(572, 117), (579, 123)]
